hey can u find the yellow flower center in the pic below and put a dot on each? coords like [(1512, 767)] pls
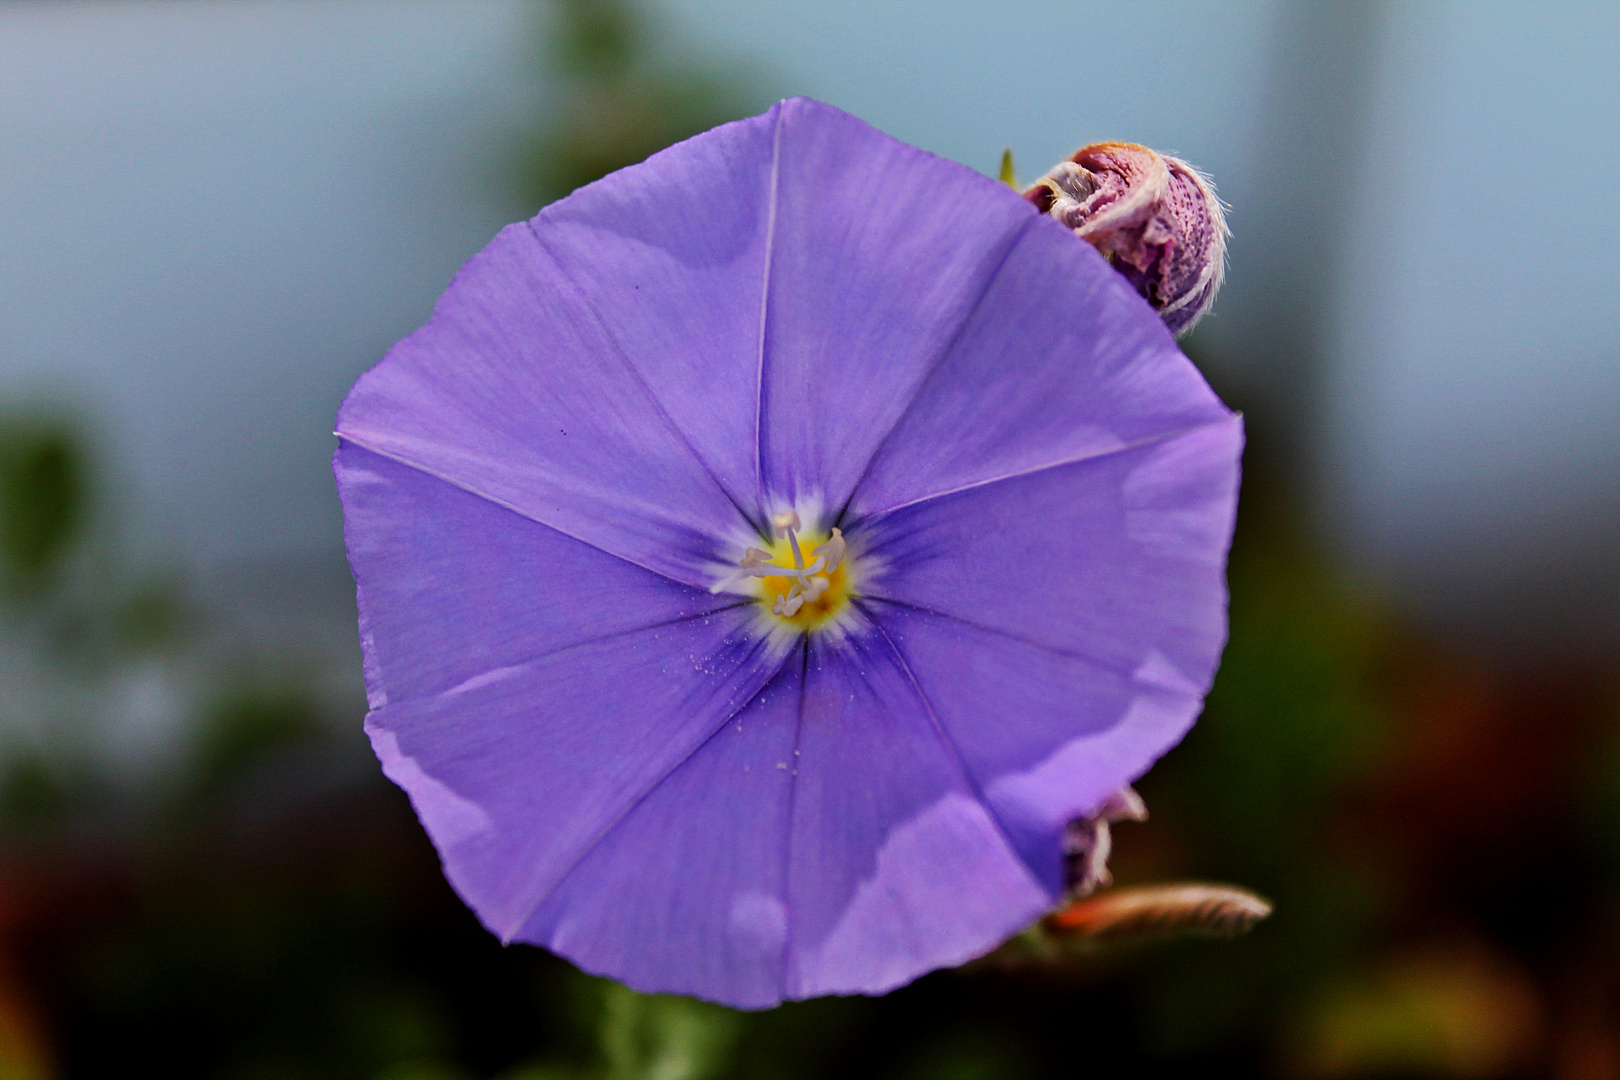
[(803, 579)]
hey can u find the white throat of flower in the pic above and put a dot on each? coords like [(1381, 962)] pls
[(806, 585)]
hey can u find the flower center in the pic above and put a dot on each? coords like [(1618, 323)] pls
[(804, 579)]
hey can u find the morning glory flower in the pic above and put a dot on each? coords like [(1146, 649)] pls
[(767, 551)]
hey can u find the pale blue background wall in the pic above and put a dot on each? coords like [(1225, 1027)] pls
[(214, 215)]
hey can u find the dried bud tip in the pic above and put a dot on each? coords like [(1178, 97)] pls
[(1218, 910), (1156, 218), (1089, 842)]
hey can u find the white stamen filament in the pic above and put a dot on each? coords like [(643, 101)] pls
[(806, 587), (788, 524), (799, 573)]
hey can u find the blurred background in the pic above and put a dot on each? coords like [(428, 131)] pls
[(214, 214)]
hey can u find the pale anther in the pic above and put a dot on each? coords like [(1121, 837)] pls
[(833, 549)]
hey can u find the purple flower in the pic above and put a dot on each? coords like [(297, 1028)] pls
[(766, 551)]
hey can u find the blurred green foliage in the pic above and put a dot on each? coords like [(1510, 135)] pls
[(253, 720), (43, 490), (1295, 720), (622, 96), (663, 1038), (642, 1037)]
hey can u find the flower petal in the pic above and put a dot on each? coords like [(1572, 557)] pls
[(687, 894), (778, 863), (452, 586), (1046, 736), (672, 254), (896, 866), (553, 752), (879, 254), (518, 390), (1060, 359), (1119, 558)]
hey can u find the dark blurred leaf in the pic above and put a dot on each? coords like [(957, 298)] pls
[(669, 1038), (153, 613), (40, 793), (983, 1053), (250, 724), (597, 39), (1297, 719), (622, 100), (42, 499)]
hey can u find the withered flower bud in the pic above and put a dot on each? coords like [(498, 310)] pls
[(1155, 218), (1088, 841)]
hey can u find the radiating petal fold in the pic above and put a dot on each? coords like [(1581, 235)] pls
[(827, 840), (880, 253), (1046, 735), (555, 751), (1059, 359), (895, 865), (1119, 559), (603, 385), (452, 586), (687, 894), (672, 253)]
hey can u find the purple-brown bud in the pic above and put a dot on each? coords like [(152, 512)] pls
[(1155, 218)]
